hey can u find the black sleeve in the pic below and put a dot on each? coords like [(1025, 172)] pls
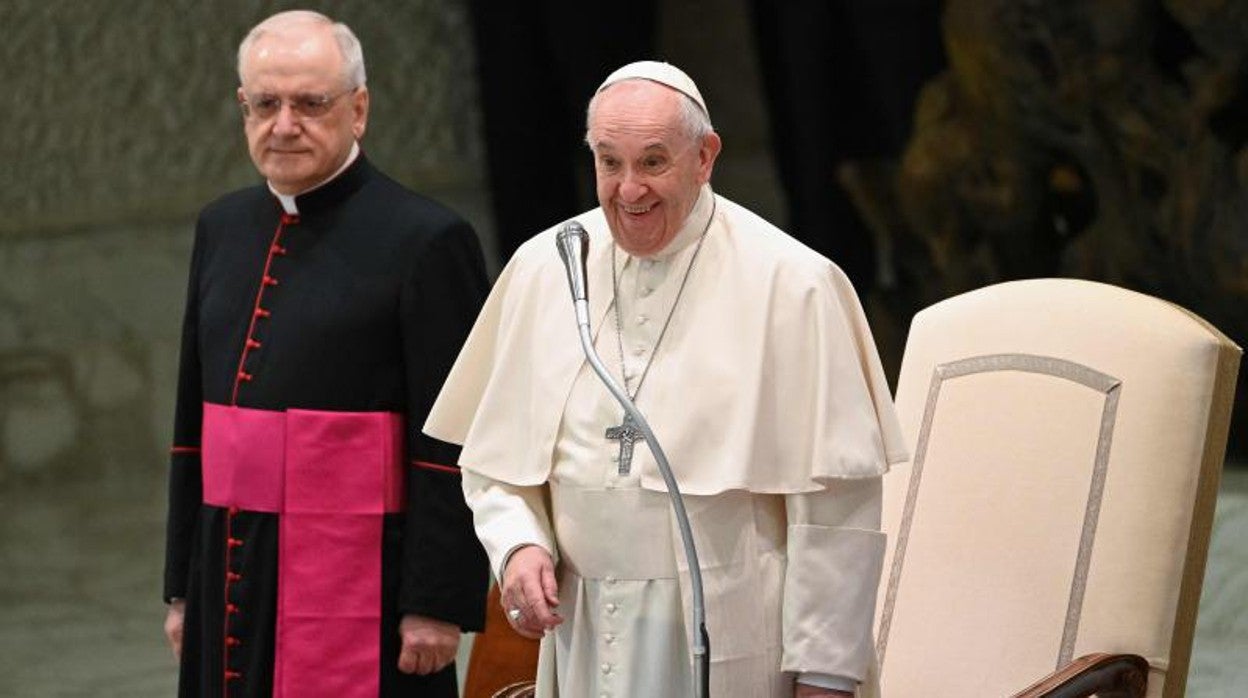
[(185, 485), (445, 573)]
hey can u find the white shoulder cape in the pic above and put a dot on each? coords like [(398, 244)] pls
[(768, 380)]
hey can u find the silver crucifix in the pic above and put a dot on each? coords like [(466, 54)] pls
[(627, 433)]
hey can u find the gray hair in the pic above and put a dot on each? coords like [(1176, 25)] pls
[(348, 45), (693, 121)]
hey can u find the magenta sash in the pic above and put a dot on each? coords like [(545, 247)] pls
[(331, 476)]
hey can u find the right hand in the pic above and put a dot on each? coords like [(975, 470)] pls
[(174, 620), (529, 585)]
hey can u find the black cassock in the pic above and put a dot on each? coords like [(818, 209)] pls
[(357, 304)]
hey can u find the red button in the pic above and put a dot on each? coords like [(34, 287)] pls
[(233, 642), (235, 542), (231, 608), (278, 250), (252, 344), (234, 511), (261, 312), (269, 281), (244, 376), (231, 675), (290, 218)]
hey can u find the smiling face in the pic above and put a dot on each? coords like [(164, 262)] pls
[(649, 169), (300, 63)]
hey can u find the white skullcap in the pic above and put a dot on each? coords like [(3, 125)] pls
[(662, 73)]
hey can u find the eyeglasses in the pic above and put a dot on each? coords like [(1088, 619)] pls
[(266, 106)]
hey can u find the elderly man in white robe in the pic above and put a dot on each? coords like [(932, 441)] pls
[(751, 357)]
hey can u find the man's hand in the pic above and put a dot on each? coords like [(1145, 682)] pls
[(174, 620), (802, 690), (429, 644), (529, 587)]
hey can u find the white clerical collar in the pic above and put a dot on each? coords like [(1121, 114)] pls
[(288, 200)]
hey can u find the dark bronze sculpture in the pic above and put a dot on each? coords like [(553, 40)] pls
[(1098, 139)]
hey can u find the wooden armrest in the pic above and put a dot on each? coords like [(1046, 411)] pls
[(1100, 674), (500, 656), (523, 689)]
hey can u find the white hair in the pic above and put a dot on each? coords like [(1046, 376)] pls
[(695, 122), (348, 45)]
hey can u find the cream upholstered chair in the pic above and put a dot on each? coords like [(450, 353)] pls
[(1067, 441)]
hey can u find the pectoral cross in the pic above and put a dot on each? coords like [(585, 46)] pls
[(627, 433)]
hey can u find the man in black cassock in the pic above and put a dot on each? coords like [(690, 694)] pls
[(318, 543)]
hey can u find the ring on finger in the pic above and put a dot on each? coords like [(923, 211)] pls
[(513, 614)]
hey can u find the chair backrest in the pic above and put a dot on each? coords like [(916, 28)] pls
[(1067, 441)]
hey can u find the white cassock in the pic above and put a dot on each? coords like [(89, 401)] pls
[(767, 395)]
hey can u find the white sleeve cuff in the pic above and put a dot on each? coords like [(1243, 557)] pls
[(830, 681), (835, 558)]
